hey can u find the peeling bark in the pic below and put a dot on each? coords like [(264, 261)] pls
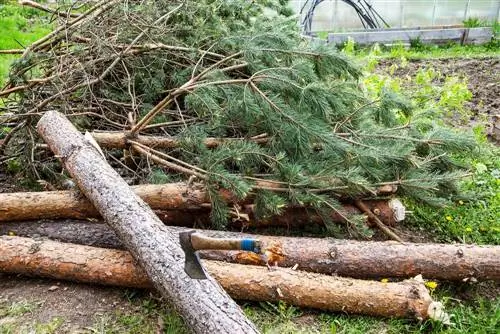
[(87, 264), (358, 259)]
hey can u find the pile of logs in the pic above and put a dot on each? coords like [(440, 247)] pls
[(139, 247)]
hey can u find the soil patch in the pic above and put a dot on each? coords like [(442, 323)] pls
[(70, 307), (483, 80)]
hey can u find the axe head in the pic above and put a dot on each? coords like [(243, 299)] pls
[(192, 264)]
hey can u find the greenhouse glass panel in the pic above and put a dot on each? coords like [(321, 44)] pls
[(337, 15)]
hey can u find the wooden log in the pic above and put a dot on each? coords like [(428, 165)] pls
[(203, 304), (115, 267), (72, 204), (358, 259), (170, 196)]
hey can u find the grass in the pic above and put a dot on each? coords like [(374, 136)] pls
[(473, 218), (19, 27), (17, 308), (146, 316), (420, 51), (480, 316)]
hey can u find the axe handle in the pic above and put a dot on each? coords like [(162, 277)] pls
[(200, 242)]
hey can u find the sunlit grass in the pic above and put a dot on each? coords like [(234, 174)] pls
[(19, 27)]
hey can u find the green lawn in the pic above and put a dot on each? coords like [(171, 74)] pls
[(19, 27)]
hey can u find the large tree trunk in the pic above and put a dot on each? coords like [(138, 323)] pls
[(173, 196), (114, 267), (359, 259), (203, 303)]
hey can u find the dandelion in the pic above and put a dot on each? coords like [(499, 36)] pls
[(461, 202), (431, 285), (468, 229), (384, 280), (449, 218)]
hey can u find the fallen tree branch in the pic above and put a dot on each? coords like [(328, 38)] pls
[(358, 259), (202, 303), (9, 136), (11, 51), (121, 140), (46, 9), (87, 264)]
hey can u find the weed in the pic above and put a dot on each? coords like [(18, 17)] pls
[(281, 310), (474, 22), (7, 329), (417, 45), (14, 166), (474, 217), (148, 317), (50, 327), (349, 46), (17, 308), (274, 318)]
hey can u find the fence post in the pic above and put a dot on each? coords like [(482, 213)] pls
[(401, 13), (467, 4), (498, 11), (433, 21)]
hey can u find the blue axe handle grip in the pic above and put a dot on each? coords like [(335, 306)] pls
[(250, 245)]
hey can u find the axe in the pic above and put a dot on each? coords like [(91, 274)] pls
[(192, 241)]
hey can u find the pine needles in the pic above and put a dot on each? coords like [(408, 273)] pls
[(192, 70)]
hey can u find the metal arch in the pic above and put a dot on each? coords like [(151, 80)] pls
[(368, 16)]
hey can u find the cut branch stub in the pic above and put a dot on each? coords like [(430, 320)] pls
[(203, 303)]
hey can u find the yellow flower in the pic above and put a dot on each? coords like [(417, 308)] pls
[(468, 229), (461, 202), (431, 285), (384, 280), (449, 218)]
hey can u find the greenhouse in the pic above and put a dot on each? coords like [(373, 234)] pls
[(339, 15)]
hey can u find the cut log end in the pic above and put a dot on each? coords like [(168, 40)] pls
[(398, 209)]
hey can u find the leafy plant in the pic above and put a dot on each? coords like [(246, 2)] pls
[(474, 22)]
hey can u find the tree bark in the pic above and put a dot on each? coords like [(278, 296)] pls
[(120, 140), (203, 304), (114, 267), (358, 259), (172, 196)]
